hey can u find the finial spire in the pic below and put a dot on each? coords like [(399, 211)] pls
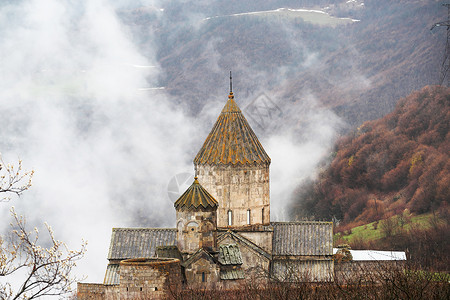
[(231, 84), (230, 96)]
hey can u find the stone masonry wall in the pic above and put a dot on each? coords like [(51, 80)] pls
[(91, 291), (238, 188), (149, 278), (202, 272), (196, 229), (254, 264), (261, 238)]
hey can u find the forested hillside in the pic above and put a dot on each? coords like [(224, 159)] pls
[(359, 69), (397, 162)]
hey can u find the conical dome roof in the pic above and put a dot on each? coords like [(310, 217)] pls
[(231, 140), (196, 197)]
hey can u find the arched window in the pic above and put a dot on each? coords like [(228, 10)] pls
[(180, 226), (230, 218), (248, 217), (203, 277)]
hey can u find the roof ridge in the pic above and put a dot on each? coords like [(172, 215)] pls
[(142, 228), (300, 222)]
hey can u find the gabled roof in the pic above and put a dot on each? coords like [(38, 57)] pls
[(243, 241), (196, 197), (129, 243), (230, 255), (197, 255), (231, 140), (302, 238)]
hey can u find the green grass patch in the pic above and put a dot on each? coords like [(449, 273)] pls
[(430, 276), (376, 230)]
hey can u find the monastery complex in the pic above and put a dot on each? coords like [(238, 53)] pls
[(223, 234)]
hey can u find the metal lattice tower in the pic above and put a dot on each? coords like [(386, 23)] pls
[(446, 62)]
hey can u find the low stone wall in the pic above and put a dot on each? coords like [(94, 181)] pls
[(92, 291), (149, 278)]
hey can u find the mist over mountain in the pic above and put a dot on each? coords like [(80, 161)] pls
[(359, 69), (398, 162)]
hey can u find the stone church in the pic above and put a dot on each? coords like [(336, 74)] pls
[(223, 233)]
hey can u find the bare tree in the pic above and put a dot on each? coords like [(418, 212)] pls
[(27, 269)]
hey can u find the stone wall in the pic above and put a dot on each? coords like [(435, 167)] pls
[(301, 269), (202, 272), (91, 291), (262, 238), (253, 263), (149, 278), (196, 229), (238, 188)]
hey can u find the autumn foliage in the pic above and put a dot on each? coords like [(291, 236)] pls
[(387, 165)]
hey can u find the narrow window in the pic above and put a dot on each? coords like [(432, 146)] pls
[(262, 215), (230, 218), (203, 277), (248, 216)]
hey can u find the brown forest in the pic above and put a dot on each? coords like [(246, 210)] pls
[(398, 162)]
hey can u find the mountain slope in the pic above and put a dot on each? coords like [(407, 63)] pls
[(359, 69), (397, 162)]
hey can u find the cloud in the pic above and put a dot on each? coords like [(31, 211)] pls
[(298, 137), (103, 150)]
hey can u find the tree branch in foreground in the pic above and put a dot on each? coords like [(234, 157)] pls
[(13, 180), (42, 271)]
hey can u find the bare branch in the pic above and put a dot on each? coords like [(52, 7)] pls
[(47, 269), (13, 180)]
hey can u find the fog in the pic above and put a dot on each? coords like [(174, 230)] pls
[(79, 107)]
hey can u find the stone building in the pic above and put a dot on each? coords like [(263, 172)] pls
[(223, 232)]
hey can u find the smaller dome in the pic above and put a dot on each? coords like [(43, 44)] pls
[(196, 197)]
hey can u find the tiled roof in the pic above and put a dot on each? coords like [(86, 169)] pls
[(231, 140), (112, 275), (230, 255), (195, 197), (230, 274), (139, 242), (302, 238)]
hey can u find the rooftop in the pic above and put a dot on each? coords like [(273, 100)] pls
[(302, 238), (129, 243), (196, 197), (231, 140)]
